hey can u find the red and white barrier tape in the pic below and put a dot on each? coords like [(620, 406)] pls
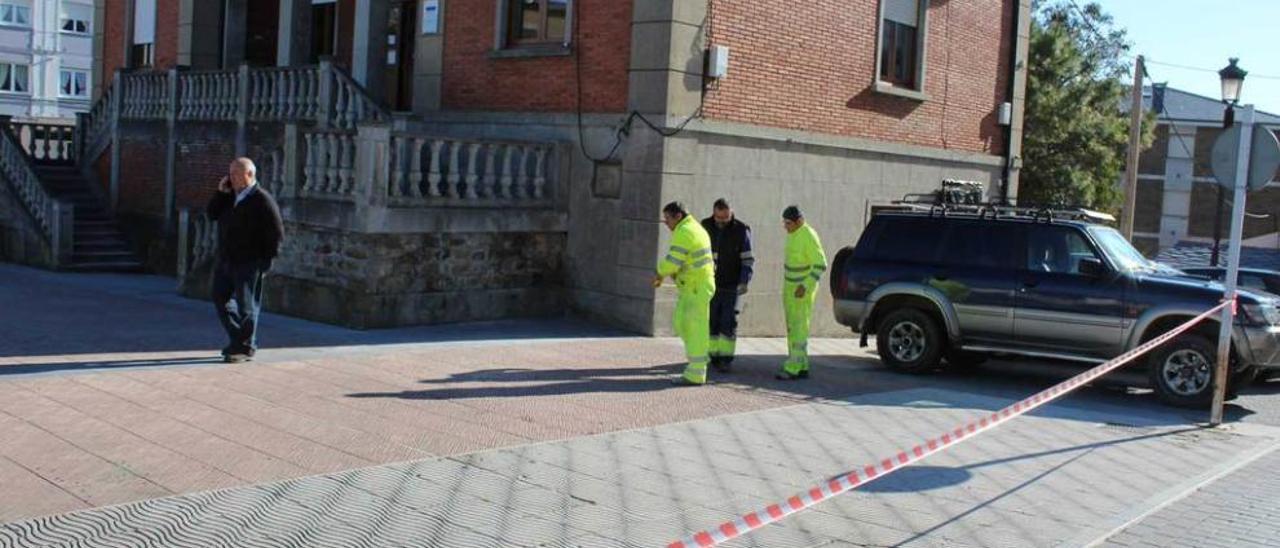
[(852, 479)]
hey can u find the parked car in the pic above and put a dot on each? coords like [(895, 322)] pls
[(1256, 279), (941, 285)]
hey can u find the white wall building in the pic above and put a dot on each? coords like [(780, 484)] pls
[(46, 58)]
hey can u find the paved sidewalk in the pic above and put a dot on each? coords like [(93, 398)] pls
[(118, 422)]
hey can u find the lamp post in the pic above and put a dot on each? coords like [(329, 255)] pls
[(1232, 78)]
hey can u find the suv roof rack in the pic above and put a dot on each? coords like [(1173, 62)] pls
[(1003, 210)]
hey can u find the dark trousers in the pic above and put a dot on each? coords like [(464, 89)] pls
[(724, 325), (237, 296)]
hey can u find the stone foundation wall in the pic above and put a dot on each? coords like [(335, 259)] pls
[(386, 280)]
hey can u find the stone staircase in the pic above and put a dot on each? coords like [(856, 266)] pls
[(98, 244)]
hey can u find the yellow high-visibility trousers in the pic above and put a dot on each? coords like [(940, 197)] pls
[(692, 321), (798, 313)]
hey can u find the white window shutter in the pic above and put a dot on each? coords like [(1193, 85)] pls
[(144, 21), (906, 12)]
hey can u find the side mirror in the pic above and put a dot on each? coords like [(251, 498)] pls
[(1091, 267)]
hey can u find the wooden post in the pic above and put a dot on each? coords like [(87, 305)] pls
[(1135, 144)]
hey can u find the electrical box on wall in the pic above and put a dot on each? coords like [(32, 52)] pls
[(718, 61), (1006, 113)]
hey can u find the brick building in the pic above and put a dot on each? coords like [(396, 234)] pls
[(1178, 196), (443, 160)]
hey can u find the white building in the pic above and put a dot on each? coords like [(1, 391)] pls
[(46, 58)]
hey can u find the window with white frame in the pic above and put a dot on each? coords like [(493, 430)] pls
[(75, 18), (142, 52), (902, 43), (14, 14), (13, 78), (74, 83)]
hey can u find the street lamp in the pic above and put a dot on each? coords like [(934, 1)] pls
[(1232, 78)]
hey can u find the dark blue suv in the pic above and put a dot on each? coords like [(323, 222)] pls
[(937, 285)]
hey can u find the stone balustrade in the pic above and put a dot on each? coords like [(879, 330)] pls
[(443, 171), (53, 218), (329, 158), (146, 96), (207, 95), (49, 142), (285, 93), (197, 244)]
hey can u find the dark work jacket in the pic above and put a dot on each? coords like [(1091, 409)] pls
[(731, 247), (249, 232)]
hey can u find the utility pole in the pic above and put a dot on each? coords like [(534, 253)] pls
[(1227, 321), (1135, 141)]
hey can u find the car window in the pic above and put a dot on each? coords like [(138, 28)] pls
[(1057, 249), (1253, 281), (978, 245), (909, 240)]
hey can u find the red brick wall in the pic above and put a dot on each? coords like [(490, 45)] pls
[(810, 66), (474, 81), (112, 41), (166, 34), (142, 146), (204, 151)]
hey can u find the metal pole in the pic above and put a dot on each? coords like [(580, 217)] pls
[(1233, 267), (1135, 143), (1217, 229)]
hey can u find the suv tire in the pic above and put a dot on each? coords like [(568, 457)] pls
[(909, 340), (1181, 372)]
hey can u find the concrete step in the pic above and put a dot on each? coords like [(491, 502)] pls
[(106, 266), (100, 245)]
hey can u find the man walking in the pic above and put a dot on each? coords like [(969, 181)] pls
[(804, 263), (689, 262), (731, 249), (250, 232)]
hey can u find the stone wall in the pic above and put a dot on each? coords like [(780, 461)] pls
[(386, 280)]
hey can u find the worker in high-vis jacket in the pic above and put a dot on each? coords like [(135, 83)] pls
[(689, 262), (804, 261), (731, 248)]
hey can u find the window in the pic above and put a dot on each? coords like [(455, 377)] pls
[(908, 240), (142, 52), (901, 42), (75, 18), (15, 15), (1057, 249), (74, 83), (981, 245), (537, 22), (13, 78)]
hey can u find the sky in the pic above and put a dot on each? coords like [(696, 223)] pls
[(1203, 34)]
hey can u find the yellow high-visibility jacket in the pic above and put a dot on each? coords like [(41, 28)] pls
[(689, 257), (805, 261)]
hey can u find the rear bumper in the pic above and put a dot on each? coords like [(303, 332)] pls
[(851, 313)]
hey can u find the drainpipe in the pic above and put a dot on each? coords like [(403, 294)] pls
[(1018, 17)]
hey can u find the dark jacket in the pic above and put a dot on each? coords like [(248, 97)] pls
[(249, 232), (731, 247)]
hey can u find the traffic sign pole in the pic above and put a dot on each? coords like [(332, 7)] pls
[(1233, 266)]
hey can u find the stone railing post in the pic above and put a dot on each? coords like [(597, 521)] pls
[(373, 145), (171, 147), (184, 242), (293, 161), (324, 115), (117, 96), (61, 227), (242, 110)]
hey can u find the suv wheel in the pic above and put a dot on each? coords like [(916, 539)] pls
[(909, 341), (1181, 372)]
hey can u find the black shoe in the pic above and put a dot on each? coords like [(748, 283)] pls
[(722, 366), (237, 357), (681, 381), (803, 374), (784, 376)]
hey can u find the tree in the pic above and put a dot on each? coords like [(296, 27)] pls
[(1076, 130)]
